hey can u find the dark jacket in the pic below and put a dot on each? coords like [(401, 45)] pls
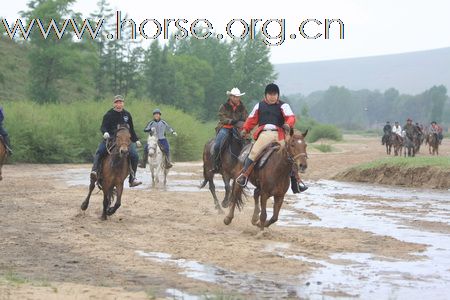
[(228, 112), (2, 116), (113, 118), (387, 129)]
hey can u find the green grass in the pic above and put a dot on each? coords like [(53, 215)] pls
[(13, 278), (70, 132), (407, 162), (324, 148)]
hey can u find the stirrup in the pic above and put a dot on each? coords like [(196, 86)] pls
[(239, 179)]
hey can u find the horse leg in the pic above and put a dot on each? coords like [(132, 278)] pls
[(277, 202), (85, 203), (212, 189), (106, 197), (257, 209), (152, 171), (165, 176), (235, 193), (226, 181), (112, 210), (263, 214)]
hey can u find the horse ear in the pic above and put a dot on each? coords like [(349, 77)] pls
[(128, 126), (305, 133)]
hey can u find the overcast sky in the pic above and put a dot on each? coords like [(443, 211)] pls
[(371, 27)]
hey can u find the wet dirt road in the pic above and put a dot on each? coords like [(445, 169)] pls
[(335, 240)]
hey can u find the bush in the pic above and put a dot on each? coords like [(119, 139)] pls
[(323, 147), (323, 131), (70, 133)]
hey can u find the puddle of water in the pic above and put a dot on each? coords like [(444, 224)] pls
[(80, 177), (369, 276), (177, 294), (237, 282)]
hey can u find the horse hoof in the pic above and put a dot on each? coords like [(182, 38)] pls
[(84, 206), (110, 211), (227, 220), (225, 204), (103, 218), (220, 211)]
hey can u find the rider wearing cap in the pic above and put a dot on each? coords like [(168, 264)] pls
[(230, 113), (160, 127), (410, 129), (274, 118), (436, 129), (114, 117)]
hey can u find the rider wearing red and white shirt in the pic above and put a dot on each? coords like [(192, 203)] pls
[(272, 118)]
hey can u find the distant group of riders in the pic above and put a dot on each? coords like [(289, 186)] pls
[(411, 135)]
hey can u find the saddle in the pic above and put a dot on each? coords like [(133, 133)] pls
[(263, 157)]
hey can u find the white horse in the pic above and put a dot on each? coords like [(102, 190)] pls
[(156, 160)]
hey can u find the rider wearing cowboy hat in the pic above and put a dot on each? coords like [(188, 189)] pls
[(410, 129), (230, 114), (114, 117), (160, 126), (274, 118)]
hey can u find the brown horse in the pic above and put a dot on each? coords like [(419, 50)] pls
[(3, 155), (433, 143), (272, 180), (229, 158), (115, 168), (397, 142)]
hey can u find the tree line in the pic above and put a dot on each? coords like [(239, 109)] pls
[(364, 109), (189, 73)]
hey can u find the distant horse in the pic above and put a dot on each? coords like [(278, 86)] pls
[(3, 155), (419, 141), (409, 144), (156, 160), (433, 143), (229, 158), (272, 180), (397, 142), (389, 141), (115, 168)]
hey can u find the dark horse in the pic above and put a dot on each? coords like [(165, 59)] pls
[(389, 140), (3, 155), (433, 143), (229, 158), (272, 180), (115, 168), (409, 144)]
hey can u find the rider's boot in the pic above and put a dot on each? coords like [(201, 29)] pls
[(242, 179), (168, 163), (133, 181), (95, 167)]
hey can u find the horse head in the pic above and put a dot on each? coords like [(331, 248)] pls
[(152, 143), (123, 139), (296, 149)]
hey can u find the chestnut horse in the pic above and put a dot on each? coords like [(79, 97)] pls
[(115, 168), (229, 158), (3, 155), (272, 180), (433, 143)]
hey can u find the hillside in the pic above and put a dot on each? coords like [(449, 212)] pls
[(410, 73), (13, 70)]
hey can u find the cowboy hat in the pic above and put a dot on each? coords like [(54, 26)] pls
[(235, 92)]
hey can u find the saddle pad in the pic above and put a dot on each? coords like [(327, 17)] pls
[(267, 153), (245, 152)]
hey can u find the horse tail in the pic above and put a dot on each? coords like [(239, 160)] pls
[(203, 184), (236, 195)]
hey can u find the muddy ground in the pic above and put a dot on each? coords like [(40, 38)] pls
[(171, 243)]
